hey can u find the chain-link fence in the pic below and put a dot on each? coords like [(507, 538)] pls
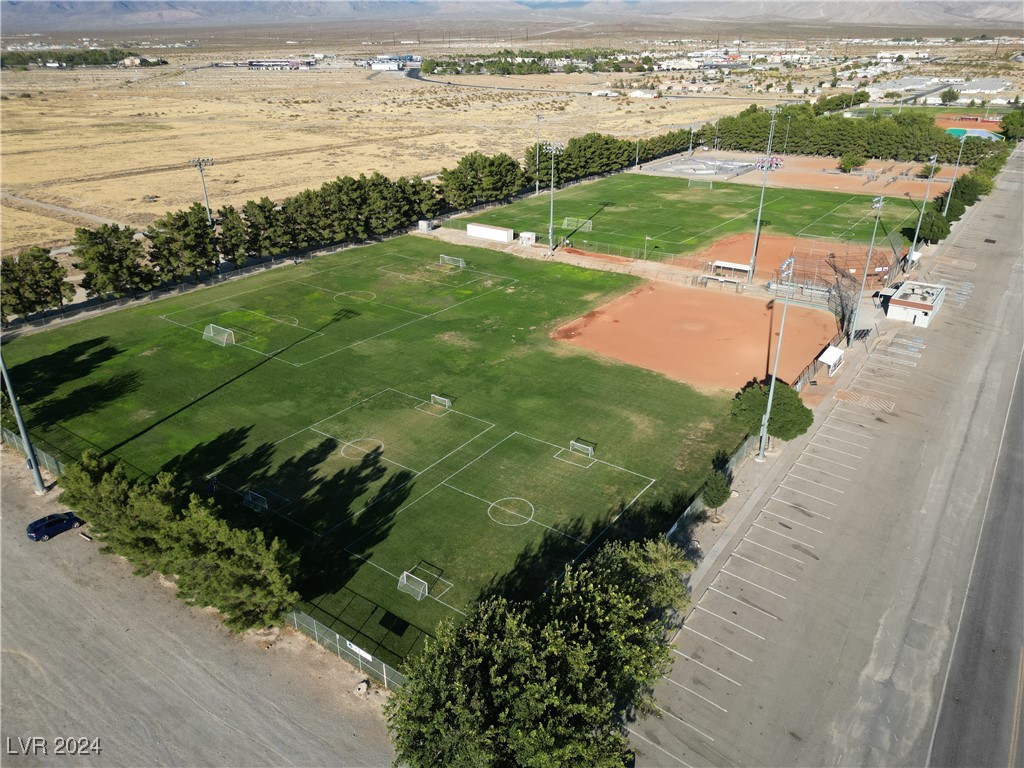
[(46, 461), (346, 649)]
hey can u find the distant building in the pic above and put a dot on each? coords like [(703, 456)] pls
[(281, 64)]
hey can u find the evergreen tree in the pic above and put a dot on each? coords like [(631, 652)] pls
[(717, 490), (111, 258), (32, 282), (231, 241), (789, 418)]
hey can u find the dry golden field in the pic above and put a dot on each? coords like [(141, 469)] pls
[(116, 143)]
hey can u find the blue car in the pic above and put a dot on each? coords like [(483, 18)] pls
[(45, 527)]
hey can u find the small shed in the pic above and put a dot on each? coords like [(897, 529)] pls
[(832, 359), (916, 302)]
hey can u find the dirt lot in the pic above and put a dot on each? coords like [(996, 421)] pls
[(709, 338), (117, 143), (90, 650)]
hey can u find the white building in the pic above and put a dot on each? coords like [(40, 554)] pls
[(914, 302)]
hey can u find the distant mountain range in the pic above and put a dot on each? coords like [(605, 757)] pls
[(45, 16)]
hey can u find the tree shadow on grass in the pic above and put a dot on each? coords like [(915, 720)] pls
[(37, 379), (87, 398)]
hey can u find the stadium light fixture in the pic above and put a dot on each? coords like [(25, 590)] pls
[(924, 204), (786, 269), (877, 204), (200, 163), (555, 148), (536, 164), (760, 206), (30, 452), (949, 193)]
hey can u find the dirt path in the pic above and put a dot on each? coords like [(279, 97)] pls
[(89, 649)]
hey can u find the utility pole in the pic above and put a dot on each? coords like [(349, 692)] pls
[(786, 269), (760, 205), (200, 163), (924, 204), (785, 144), (536, 165), (949, 193), (877, 204), (30, 452), (555, 149)]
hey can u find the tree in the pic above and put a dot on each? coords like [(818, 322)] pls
[(32, 282), (717, 490), (1012, 125), (231, 240), (850, 161), (789, 418), (544, 683), (111, 258), (955, 211), (949, 96), (182, 244), (934, 227)]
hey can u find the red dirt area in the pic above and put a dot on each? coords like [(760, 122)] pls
[(811, 256), (968, 121), (706, 337), (804, 172)]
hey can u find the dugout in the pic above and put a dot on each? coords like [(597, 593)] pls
[(832, 359), (488, 232), (730, 269)]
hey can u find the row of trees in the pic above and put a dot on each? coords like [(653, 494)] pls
[(149, 523), (545, 683), (181, 245), (93, 57), (904, 137)]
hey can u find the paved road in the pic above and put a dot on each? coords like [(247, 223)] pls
[(89, 650), (823, 625)]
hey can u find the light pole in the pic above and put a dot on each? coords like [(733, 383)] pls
[(536, 164), (30, 452), (760, 205), (200, 163), (786, 269), (924, 204), (646, 238), (555, 149), (785, 144), (636, 162), (877, 204), (949, 193)]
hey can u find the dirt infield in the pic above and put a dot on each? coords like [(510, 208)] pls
[(705, 337), (888, 177), (811, 256)]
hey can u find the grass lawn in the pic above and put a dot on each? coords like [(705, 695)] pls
[(634, 214), (320, 426)]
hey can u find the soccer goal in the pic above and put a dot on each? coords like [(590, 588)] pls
[(255, 501), (578, 225), (453, 261), (700, 184), (578, 446), (413, 585), (440, 400), (218, 335)]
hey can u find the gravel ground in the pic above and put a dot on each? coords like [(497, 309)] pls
[(90, 650)]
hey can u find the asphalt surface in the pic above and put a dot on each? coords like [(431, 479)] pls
[(824, 620), (91, 651)]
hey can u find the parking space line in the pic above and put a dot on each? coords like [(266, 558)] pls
[(805, 493), (908, 363), (869, 367), (794, 522), (690, 690), (688, 725), (730, 650), (900, 388), (848, 431), (833, 415), (752, 562), (808, 480), (830, 448), (727, 621), (841, 440), (816, 469), (873, 391), (780, 554), (830, 461), (709, 669), (771, 530), (659, 748), (796, 506), (751, 583), (759, 610)]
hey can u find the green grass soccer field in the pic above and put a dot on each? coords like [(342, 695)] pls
[(634, 215), (386, 414)]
